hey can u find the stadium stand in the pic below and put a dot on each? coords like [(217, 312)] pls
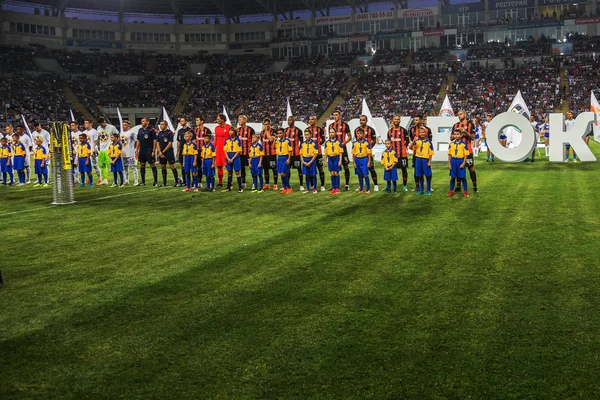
[(404, 92), (149, 92), (309, 95), (42, 101)]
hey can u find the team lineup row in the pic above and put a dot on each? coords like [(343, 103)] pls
[(199, 151)]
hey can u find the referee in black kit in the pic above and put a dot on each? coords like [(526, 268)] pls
[(144, 148)]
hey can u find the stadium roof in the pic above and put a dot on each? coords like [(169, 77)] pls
[(228, 8)]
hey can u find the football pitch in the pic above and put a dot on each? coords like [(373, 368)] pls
[(153, 293)]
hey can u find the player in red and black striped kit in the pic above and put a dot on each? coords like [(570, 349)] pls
[(344, 136), (371, 137), (418, 122), (295, 136), (269, 162), (200, 131), (469, 127), (400, 141), (245, 134), (317, 134)]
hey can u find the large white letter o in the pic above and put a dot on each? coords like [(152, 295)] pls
[(505, 120)]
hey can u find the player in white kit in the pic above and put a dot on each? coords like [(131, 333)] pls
[(92, 135), (569, 124), (128, 138)]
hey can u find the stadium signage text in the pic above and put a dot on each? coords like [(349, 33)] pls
[(437, 32), (293, 24), (333, 20), (503, 4), (418, 12), (585, 21), (371, 16)]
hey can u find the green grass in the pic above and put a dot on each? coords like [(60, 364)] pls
[(161, 294)]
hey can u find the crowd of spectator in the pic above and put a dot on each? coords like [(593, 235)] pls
[(43, 101), (208, 94), (390, 57), (304, 62), (16, 59), (148, 92), (343, 60), (173, 64), (405, 92), (104, 64), (486, 89), (308, 94), (584, 77)]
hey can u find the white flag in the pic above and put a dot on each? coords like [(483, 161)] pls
[(518, 106), (288, 112), (595, 108), (366, 111), (446, 110), (72, 116), (227, 120), (27, 126), (120, 121), (168, 120)]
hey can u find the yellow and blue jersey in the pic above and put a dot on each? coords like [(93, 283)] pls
[(256, 150), (233, 145), (388, 158), (5, 151), (361, 149), (309, 149), (283, 147), (333, 148), (83, 150), (189, 149), (423, 148), (458, 149), (115, 150), (208, 151), (19, 149), (39, 153)]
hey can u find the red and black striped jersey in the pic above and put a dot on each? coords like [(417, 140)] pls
[(200, 133), (245, 135), (342, 129), (317, 134), (268, 147), (370, 135), (295, 136), (469, 127), (399, 138), (414, 133)]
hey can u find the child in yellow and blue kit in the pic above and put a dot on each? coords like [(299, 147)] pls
[(5, 164), (457, 160), (208, 155), (283, 148), (189, 153), (389, 161), (40, 163), (333, 152), (19, 154), (115, 150), (423, 151), (361, 155), (308, 154), (233, 149), (255, 155), (84, 160)]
